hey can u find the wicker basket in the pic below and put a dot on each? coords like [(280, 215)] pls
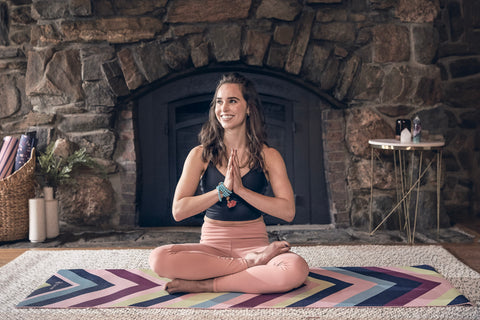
[(15, 190)]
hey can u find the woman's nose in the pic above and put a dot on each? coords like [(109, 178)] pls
[(225, 107)]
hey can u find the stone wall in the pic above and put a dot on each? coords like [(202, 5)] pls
[(74, 69), (459, 63)]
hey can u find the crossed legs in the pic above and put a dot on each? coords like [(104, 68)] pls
[(204, 268)]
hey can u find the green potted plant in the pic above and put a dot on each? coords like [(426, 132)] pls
[(55, 169)]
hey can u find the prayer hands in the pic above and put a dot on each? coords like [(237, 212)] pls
[(233, 177)]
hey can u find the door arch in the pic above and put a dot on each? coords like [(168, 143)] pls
[(169, 119)]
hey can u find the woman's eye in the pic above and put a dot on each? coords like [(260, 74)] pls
[(233, 101)]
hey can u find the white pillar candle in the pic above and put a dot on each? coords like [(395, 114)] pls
[(51, 213), (36, 215)]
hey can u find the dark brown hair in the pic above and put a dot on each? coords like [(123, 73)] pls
[(211, 135)]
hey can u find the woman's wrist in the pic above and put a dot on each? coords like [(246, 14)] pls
[(240, 191), (223, 191)]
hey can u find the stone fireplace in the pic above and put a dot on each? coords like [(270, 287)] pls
[(82, 70)]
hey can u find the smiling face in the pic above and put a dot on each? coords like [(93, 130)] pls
[(230, 106)]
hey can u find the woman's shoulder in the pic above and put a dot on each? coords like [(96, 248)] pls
[(195, 157), (271, 157), (197, 151), (273, 160), (270, 153)]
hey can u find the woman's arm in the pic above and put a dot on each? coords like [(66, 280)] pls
[(282, 205), (185, 203)]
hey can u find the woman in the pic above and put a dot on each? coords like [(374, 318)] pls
[(232, 165)]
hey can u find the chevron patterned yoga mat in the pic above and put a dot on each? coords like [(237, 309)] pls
[(325, 287)]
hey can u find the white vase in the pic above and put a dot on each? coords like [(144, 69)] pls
[(37, 220), (51, 214), (48, 193)]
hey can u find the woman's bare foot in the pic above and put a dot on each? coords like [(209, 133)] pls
[(189, 286), (273, 250)]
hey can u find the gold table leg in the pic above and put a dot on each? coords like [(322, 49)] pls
[(418, 196), (407, 194), (439, 180), (371, 192)]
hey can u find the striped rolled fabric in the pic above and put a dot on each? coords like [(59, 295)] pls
[(27, 142), (7, 156)]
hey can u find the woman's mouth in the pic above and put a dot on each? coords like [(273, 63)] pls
[(226, 117)]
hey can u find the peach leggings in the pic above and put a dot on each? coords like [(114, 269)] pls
[(220, 255)]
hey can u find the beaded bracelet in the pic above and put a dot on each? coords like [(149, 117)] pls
[(223, 191)]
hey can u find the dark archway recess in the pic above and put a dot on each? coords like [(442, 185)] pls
[(170, 117)]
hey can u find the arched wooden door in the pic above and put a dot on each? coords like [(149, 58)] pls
[(169, 120)]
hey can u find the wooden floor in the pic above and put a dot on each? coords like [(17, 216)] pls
[(7, 255), (467, 253)]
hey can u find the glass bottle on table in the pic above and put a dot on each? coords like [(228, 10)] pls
[(417, 130)]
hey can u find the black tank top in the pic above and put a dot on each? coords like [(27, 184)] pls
[(254, 180)]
